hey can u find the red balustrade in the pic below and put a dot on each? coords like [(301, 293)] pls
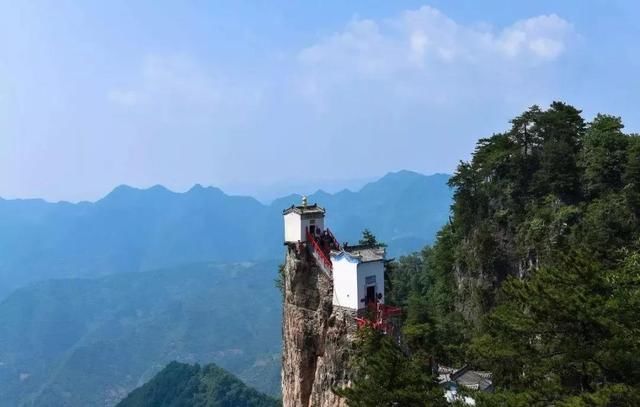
[(336, 245), (319, 252), (379, 317)]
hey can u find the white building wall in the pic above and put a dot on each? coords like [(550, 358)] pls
[(292, 228), (295, 226), (374, 268), (345, 282)]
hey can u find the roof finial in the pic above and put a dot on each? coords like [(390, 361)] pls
[(304, 201)]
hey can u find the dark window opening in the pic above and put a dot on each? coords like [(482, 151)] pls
[(371, 294)]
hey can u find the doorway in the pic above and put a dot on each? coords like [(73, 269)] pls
[(371, 294)]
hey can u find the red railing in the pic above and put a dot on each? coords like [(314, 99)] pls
[(319, 252), (378, 317), (336, 245)]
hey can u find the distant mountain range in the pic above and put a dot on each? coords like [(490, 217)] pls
[(89, 342), (182, 385), (82, 323), (134, 230)]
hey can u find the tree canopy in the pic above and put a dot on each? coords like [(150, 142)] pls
[(383, 376), (369, 239), (536, 277)]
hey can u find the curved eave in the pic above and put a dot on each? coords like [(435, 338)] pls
[(303, 210), (345, 255)]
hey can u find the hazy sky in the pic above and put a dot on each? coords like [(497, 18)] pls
[(249, 95)]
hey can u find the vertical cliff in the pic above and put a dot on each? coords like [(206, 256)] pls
[(317, 337)]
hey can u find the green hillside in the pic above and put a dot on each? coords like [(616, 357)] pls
[(88, 342), (182, 385)]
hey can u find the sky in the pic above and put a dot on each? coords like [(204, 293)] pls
[(265, 97)]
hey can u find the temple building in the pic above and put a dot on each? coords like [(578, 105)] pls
[(357, 271)]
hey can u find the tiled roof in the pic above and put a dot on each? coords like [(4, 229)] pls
[(470, 379), (474, 380), (366, 253), (307, 209)]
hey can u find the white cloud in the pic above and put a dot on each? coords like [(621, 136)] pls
[(425, 50), (379, 86), (542, 37), (418, 55)]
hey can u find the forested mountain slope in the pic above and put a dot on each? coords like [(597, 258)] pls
[(181, 385), (537, 276), (88, 342), (551, 185), (134, 230)]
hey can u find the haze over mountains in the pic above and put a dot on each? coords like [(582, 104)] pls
[(134, 230), (98, 297), (88, 342)]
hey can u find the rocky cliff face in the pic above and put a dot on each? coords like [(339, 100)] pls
[(318, 338)]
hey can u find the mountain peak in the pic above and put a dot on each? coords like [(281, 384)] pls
[(174, 385), (403, 175), (125, 194), (158, 189)]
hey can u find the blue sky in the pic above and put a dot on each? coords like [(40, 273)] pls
[(259, 97)]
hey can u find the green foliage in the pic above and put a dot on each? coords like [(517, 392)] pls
[(537, 275), (87, 342), (632, 176), (384, 376), (424, 285), (369, 239), (279, 280), (551, 183), (566, 333), (403, 275), (604, 156), (182, 385), (632, 170), (608, 225), (561, 128)]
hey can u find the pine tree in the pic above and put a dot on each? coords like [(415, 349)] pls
[(631, 176), (604, 156), (384, 376), (567, 334), (562, 129), (369, 239)]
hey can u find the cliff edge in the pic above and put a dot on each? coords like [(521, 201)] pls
[(318, 338)]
